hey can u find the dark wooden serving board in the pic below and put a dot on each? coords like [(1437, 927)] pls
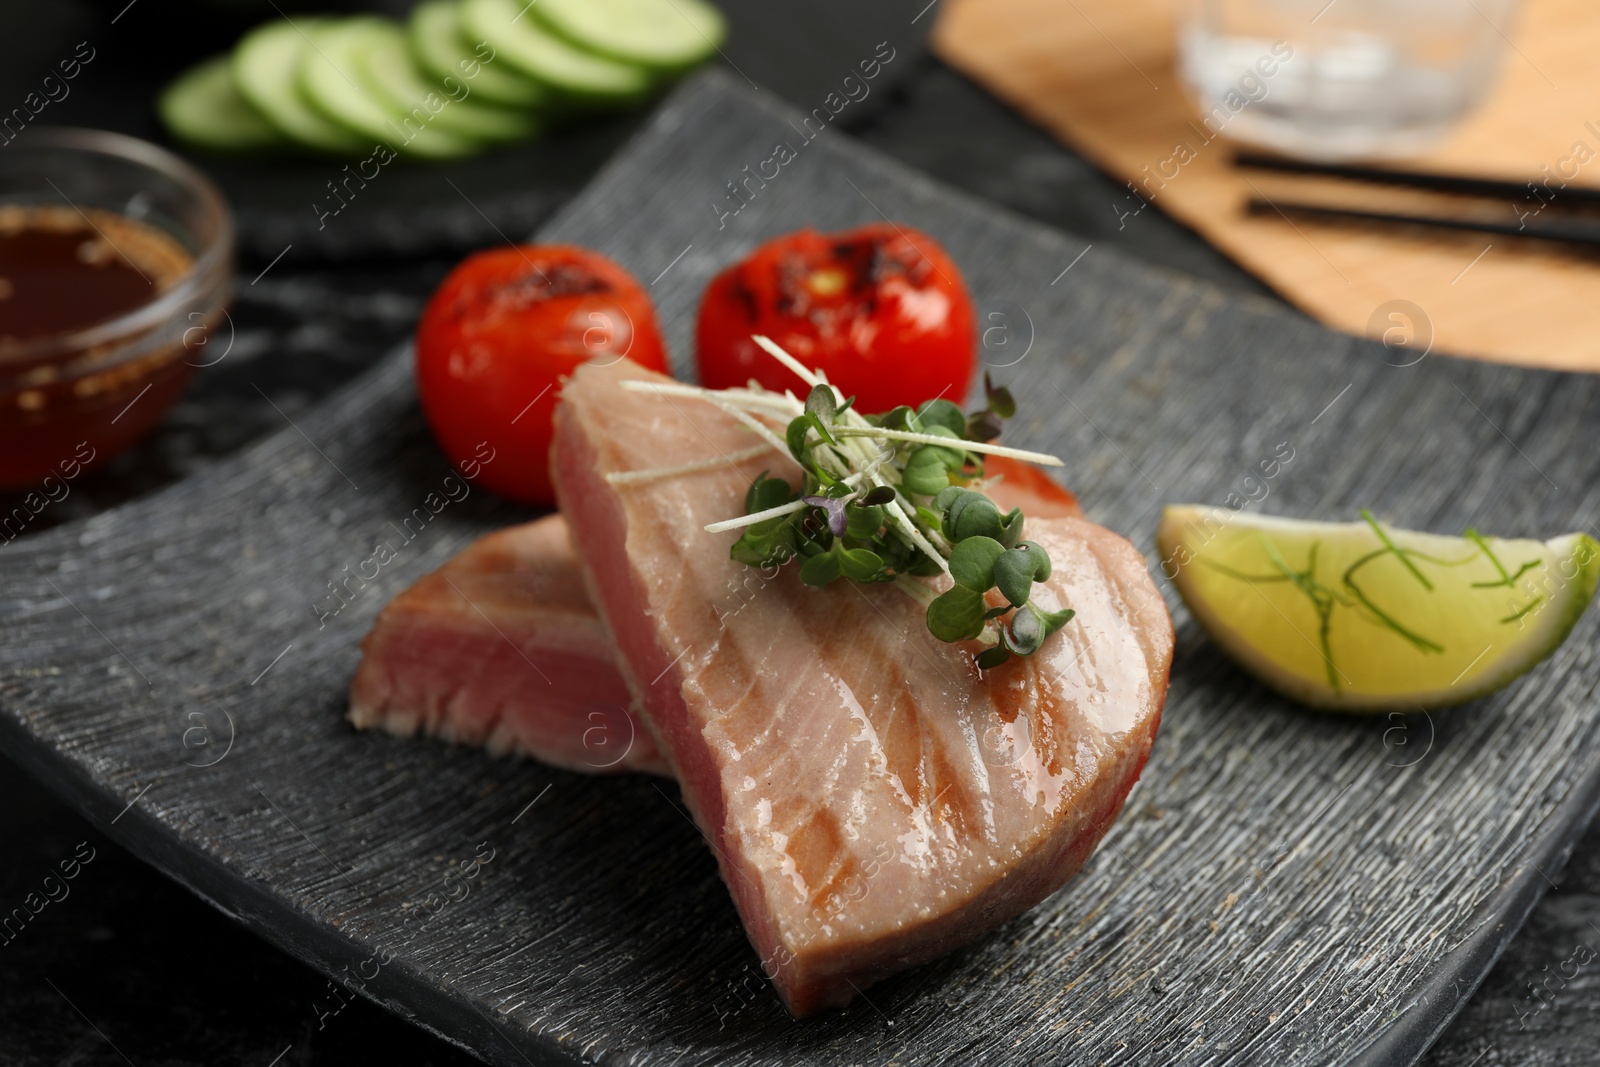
[(1282, 886)]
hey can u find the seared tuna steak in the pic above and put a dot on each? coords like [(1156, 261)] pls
[(873, 800), (501, 648), (459, 655)]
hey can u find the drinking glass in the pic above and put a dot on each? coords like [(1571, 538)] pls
[(1337, 79)]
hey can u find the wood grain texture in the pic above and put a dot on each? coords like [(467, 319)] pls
[(1101, 76), (1282, 885)]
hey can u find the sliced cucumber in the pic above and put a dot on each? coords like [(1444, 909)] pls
[(387, 66), (442, 50), (331, 80), (666, 35), (202, 106), (522, 42), (265, 71)]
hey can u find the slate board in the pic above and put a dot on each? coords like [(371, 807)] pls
[(1282, 885)]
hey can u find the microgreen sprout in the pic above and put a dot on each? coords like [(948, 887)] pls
[(889, 498)]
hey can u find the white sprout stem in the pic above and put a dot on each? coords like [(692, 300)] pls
[(715, 463), (858, 428), (770, 513), (1041, 458), (757, 516), (804, 373), (911, 531), (750, 398), (760, 429), (914, 589)]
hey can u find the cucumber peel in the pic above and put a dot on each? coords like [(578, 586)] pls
[(329, 76), (519, 40), (203, 107), (265, 70)]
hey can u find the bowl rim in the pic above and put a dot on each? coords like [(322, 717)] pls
[(211, 258)]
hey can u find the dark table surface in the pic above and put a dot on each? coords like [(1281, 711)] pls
[(130, 968)]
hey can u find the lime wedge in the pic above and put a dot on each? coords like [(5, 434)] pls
[(1362, 617)]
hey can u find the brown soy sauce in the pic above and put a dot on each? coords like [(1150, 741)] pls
[(63, 270), (54, 279)]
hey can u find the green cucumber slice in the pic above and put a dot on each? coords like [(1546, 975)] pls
[(389, 69), (330, 78), (665, 35), (265, 70), (202, 106), (522, 42), (440, 45)]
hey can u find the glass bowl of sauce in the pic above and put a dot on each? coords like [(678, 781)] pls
[(116, 264)]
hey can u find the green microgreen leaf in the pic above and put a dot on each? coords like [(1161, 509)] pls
[(1031, 626), (879, 494), (1011, 528), (899, 418), (828, 481), (926, 472), (1018, 568), (822, 404), (972, 563), (1054, 620), (992, 658), (983, 426), (1041, 559), (1026, 632), (821, 569), (954, 458), (860, 564), (956, 614), (1013, 575), (795, 436), (765, 493), (951, 503), (766, 544), (1000, 399), (944, 414), (863, 521), (974, 515)]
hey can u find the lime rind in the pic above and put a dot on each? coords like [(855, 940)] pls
[(1361, 617)]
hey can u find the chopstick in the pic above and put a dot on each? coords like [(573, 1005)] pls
[(1415, 179), (1566, 230)]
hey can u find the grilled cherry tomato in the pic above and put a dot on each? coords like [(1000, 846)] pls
[(498, 337), (881, 311)]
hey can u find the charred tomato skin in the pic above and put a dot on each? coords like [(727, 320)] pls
[(497, 339), (881, 310)]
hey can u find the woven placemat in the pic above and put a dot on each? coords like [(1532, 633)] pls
[(1101, 75)]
